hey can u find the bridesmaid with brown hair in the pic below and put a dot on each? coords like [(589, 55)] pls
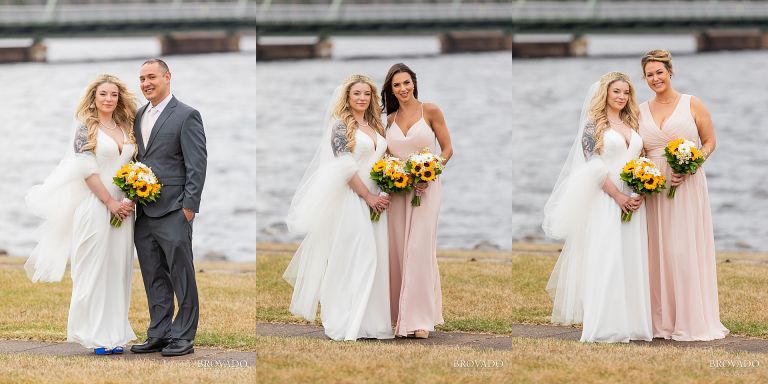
[(681, 245), (415, 296)]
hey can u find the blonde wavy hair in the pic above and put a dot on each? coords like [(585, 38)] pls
[(659, 55), (343, 111), (597, 108), (124, 113)]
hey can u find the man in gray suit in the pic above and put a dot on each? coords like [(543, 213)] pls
[(172, 142)]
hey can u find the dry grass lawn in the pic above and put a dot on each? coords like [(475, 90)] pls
[(23, 368), (39, 311), (475, 293), (304, 360), (742, 281)]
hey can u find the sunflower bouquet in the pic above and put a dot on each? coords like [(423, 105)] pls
[(390, 175), (644, 177), (684, 158), (139, 183), (423, 166)]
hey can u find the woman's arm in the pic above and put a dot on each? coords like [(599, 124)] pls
[(588, 144), (93, 181), (339, 147), (437, 122), (704, 125)]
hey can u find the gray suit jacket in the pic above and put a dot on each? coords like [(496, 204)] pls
[(177, 155)]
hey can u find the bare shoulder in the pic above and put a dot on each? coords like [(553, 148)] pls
[(697, 103), (390, 119), (431, 110), (698, 106)]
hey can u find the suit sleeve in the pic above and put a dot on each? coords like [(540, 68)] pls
[(195, 159)]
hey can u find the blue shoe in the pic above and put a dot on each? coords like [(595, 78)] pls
[(117, 350), (102, 351)]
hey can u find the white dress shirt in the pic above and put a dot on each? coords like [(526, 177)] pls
[(150, 117)]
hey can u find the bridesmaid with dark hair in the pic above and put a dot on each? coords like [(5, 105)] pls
[(415, 296), (681, 244)]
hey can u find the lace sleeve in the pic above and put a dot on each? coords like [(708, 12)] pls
[(339, 139), (81, 138), (588, 140)]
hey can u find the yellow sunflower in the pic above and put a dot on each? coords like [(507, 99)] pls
[(143, 189), (379, 166), (428, 174), (695, 154)]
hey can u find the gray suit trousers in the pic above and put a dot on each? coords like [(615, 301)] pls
[(164, 247)]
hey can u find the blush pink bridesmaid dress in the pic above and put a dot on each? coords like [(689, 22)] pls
[(681, 245), (415, 296)]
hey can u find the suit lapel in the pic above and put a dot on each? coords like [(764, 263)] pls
[(137, 128), (160, 122)]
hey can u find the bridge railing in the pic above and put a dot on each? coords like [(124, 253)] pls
[(548, 10), (513, 11), (75, 13), (395, 12)]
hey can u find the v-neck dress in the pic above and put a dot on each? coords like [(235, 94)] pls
[(681, 246), (415, 294)]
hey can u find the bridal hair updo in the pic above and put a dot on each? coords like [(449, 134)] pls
[(599, 104), (124, 113), (343, 110), (389, 102), (659, 55)]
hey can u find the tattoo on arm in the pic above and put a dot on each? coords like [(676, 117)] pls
[(339, 139), (588, 140), (81, 139)]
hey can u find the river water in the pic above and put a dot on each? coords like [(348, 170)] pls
[(472, 90), (37, 101), (548, 94)]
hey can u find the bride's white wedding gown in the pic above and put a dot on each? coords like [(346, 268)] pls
[(353, 283), (101, 256), (601, 276)]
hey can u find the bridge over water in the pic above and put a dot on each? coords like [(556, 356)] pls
[(350, 17), (489, 25), (182, 26)]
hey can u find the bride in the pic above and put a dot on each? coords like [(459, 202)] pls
[(76, 201), (601, 276), (343, 260)]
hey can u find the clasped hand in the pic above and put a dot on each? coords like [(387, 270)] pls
[(627, 203), (377, 203), (676, 179), (121, 209)]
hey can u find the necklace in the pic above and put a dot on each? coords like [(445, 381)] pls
[(114, 126), (615, 122), (666, 102), (361, 125)]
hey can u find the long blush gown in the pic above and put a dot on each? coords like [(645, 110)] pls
[(681, 245), (415, 295)]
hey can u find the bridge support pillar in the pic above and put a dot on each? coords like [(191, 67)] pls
[(199, 42), (35, 53), (575, 47), (726, 40), (293, 50), (475, 41)]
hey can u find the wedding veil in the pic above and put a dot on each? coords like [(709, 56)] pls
[(313, 212), (564, 218), (55, 201)]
